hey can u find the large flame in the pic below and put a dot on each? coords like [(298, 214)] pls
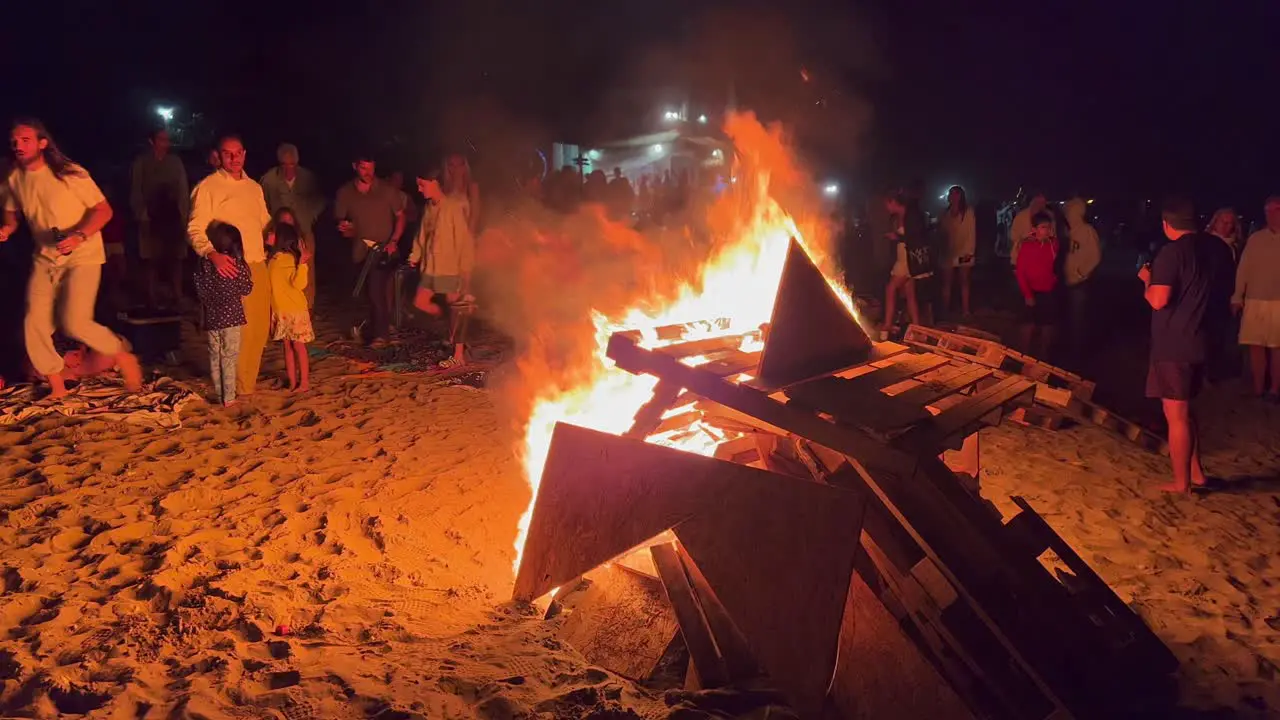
[(736, 281)]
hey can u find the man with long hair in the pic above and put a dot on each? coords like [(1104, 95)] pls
[(65, 212), (230, 196)]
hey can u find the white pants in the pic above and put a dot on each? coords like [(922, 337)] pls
[(78, 285)]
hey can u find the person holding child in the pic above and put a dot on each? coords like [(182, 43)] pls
[(222, 299), (289, 315)]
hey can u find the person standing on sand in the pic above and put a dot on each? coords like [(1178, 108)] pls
[(1084, 254), (1037, 277), (232, 197), (159, 198), (1257, 301), (1182, 285), (65, 211), (289, 185), (960, 229), (222, 299), (370, 213), (1023, 227)]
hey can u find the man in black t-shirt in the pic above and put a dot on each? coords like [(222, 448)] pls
[(1187, 286)]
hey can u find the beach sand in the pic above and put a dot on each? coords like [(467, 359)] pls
[(348, 553)]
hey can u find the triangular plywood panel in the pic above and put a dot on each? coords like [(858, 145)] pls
[(602, 495), (811, 332), (778, 554)]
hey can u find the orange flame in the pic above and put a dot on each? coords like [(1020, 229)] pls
[(737, 280)]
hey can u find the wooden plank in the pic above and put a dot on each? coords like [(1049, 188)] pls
[(868, 408), (929, 392), (602, 495), (734, 363), (671, 333), (779, 555), (904, 366), (881, 673), (701, 347), (622, 622), (733, 647), (1113, 610), (693, 624), (792, 351), (960, 419)]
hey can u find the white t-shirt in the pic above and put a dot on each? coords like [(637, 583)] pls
[(48, 202)]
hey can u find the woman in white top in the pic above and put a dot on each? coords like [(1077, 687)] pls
[(444, 251), (962, 242)]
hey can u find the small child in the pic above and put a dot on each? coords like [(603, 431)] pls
[(223, 302), (289, 315), (1037, 274)]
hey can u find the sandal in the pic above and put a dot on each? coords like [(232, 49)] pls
[(451, 363)]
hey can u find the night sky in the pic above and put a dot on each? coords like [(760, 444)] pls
[(1111, 98)]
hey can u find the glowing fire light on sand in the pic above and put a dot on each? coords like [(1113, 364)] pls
[(737, 282)]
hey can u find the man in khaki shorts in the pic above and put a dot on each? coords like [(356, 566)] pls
[(1257, 299)]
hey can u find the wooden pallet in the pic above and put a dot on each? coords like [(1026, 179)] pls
[(1060, 394), (1002, 357), (987, 625), (763, 568)]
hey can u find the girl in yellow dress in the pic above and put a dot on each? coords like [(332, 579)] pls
[(288, 268)]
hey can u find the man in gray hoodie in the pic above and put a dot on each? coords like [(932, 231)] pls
[(1084, 254)]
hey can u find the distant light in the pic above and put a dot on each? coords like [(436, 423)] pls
[(656, 149), (716, 153), (831, 190), (1089, 201), (670, 115), (165, 112), (593, 154), (702, 119)]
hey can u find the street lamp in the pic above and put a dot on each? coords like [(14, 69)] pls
[(166, 113)]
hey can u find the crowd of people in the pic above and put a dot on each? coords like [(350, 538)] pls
[(253, 244), (254, 274), (1210, 292)]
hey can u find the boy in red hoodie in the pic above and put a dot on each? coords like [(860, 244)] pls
[(1038, 280)]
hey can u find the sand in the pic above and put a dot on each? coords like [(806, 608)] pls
[(348, 553)]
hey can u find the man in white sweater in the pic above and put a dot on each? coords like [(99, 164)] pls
[(1257, 299), (232, 197)]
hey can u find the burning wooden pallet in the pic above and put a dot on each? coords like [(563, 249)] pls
[(828, 529)]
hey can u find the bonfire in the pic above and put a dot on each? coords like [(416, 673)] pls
[(728, 291)]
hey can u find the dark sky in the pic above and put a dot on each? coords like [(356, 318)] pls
[(1107, 97)]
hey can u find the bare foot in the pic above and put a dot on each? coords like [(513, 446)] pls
[(304, 387), (1176, 489), (57, 386), (130, 370), (230, 403)]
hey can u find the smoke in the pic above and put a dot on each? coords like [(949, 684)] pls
[(549, 277)]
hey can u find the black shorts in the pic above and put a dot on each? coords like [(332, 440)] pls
[(1045, 312), (1168, 380)]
